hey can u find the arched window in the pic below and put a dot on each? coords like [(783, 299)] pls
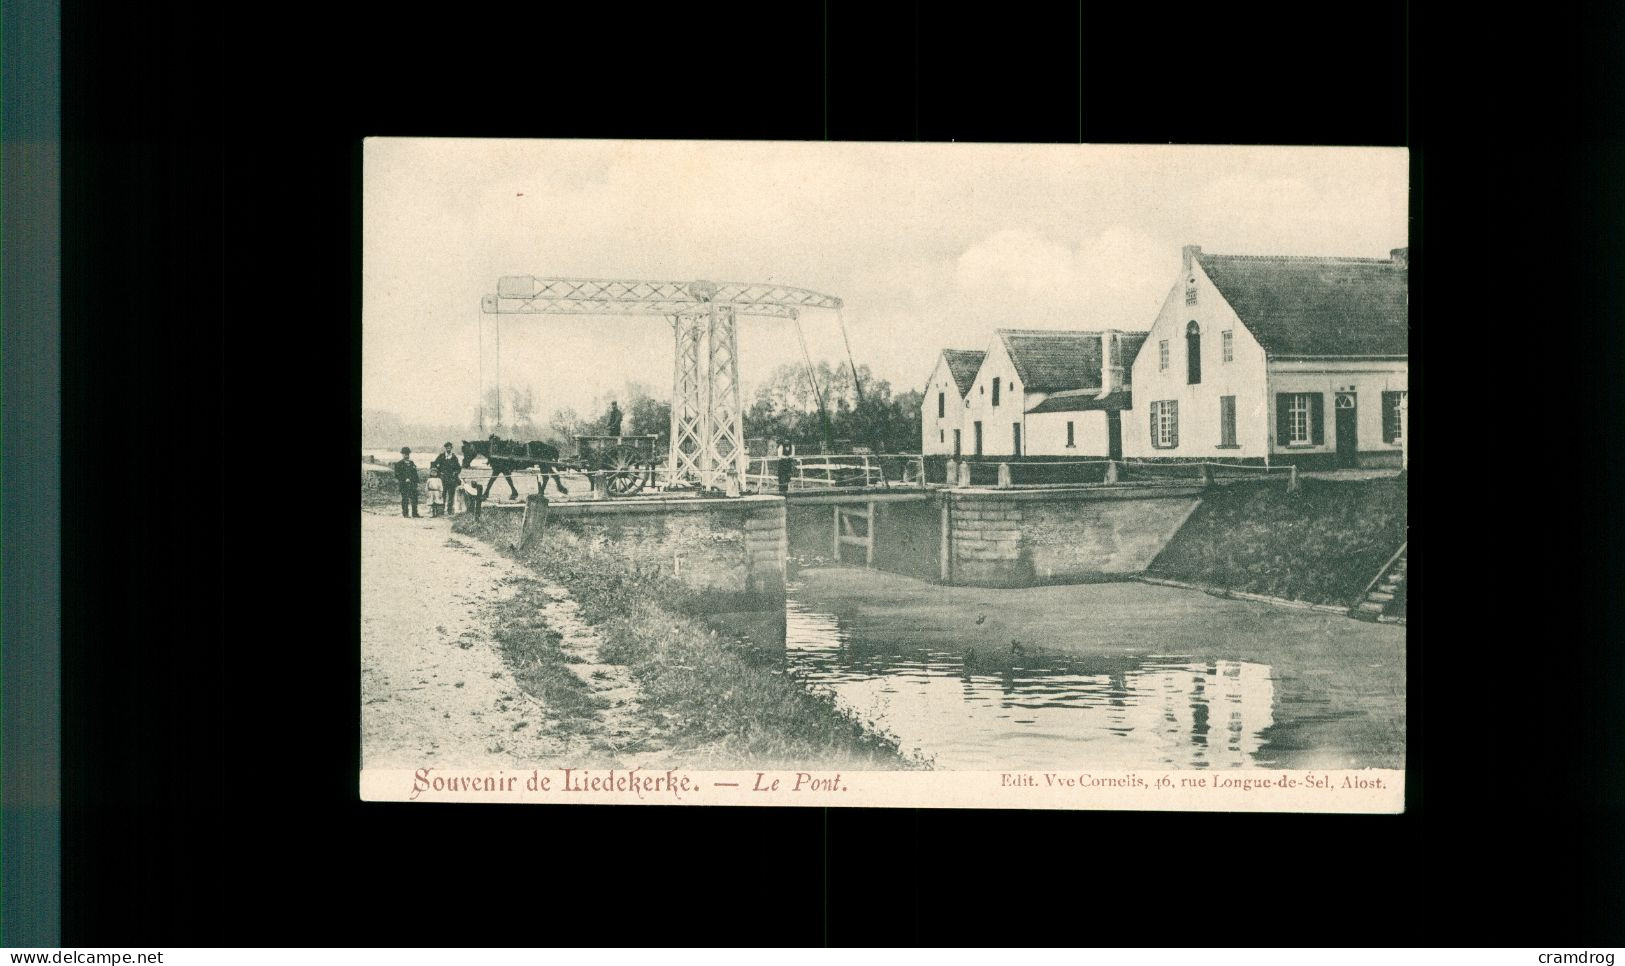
[(1193, 353)]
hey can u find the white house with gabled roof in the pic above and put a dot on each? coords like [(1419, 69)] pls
[(943, 407), (1278, 359), (1033, 392)]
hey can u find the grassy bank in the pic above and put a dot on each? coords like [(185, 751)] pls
[(1321, 544), (380, 490), (540, 666), (712, 703)]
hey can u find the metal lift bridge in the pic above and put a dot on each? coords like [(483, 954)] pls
[(707, 419)]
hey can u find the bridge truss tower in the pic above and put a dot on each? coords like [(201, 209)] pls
[(707, 417)]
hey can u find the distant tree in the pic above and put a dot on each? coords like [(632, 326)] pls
[(903, 422), (380, 428), (645, 416), (564, 426), (786, 406), (490, 414), (522, 409)]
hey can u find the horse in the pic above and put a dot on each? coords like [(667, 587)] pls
[(541, 455)]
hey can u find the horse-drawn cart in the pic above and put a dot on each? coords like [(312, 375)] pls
[(620, 465), (617, 465)]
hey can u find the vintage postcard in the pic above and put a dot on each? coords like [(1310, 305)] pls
[(941, 475)]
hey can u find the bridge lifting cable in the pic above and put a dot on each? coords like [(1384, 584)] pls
[(818, 393), (857, 383)]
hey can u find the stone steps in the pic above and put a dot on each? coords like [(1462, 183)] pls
[(1380, 598)]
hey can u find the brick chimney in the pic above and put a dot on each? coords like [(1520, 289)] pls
[(1401, 257), (1111, 362), (1189, 254)]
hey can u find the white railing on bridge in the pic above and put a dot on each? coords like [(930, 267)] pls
[(820, 471)]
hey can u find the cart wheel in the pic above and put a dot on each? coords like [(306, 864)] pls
[(625, 468)]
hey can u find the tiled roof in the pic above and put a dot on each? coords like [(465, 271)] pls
[(1129, 344), (962, 364), (1051, 361), (1083, 401), (1317, 306)]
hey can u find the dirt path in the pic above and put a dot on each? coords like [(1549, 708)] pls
[(434, 690)]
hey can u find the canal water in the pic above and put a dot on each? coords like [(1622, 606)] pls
[(1119, 676)]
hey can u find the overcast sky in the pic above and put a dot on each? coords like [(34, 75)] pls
[(928, 246)]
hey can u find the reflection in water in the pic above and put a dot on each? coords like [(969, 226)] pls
[(1118, 712)]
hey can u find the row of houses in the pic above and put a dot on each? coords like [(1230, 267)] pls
[(1259, 358)]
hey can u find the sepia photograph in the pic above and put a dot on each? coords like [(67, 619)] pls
[(959, 475)]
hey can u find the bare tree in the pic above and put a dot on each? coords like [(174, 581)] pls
[(522, 408), (565, 425)]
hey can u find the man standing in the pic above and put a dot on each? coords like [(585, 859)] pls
[(786, 465), (612, 423), (406, 476), (448, 471)]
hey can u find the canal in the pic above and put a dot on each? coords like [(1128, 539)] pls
[(1118, 675)]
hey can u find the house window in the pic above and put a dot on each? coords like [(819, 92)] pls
[(995, 390), (942, 436), (1393, 417), (1190, 291), (1165, 424), (1299, 419), (942, 404), (1300, 412), (1227, 420), (1162, 355), (1229, 345), (1193, 354), (1069, 440)]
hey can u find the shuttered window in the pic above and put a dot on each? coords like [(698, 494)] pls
[(1300, 419), (1165, 424), (1227, 420), (1069, 441), (1393, 423), (995, 390), (942, 404)]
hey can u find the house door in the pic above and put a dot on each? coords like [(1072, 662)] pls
[(956, 444), (1348, 443), (978, 428), (1015, 439), (1114, 434)]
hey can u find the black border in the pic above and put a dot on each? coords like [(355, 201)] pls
[(210, 172)]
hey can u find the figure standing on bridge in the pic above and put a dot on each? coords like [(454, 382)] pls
[(448, 471), (406, 477), (786, 465), (612, 422)]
